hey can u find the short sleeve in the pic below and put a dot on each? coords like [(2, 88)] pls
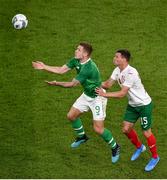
[(71, 63), (114, 74)]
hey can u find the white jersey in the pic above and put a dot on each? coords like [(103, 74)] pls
[(129, 77)]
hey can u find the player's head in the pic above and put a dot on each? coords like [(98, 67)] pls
[(83, 50), (124, 53), (121, 56)]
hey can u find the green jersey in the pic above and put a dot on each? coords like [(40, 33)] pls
[(87, 74)]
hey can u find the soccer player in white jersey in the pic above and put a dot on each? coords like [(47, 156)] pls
[(89, 77), (139, 105)]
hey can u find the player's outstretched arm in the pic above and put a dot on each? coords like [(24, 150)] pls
[(108, 83), (73, 83), (118, 94), (54, 69)]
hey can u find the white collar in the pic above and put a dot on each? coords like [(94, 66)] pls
[(86, 61), (125, 68)]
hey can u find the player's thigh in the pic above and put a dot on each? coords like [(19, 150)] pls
[(73, 113), (98, 108), (81, 104), (146, 116), (131, 115)]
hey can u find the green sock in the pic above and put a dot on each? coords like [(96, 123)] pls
[(78, 127), (107, 136)]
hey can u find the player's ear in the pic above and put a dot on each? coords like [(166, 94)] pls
[(85, 53)]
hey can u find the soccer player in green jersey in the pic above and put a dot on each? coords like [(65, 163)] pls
[(139, 105), (89, 77)]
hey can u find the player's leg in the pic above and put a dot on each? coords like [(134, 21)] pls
[(131, 117), (98, 108), (151, 141), (146, 121), (98, 127), (73, 115), (107, 136), (130, 132)]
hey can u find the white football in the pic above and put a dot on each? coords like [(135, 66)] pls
[(19, 21)]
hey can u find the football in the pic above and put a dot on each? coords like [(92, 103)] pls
[(19, 21)]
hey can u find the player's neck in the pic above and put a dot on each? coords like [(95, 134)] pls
[(123, 66), (84, 60)]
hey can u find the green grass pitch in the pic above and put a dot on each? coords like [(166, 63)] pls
[(35, 135)]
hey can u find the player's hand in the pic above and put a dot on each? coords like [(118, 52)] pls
[(38, 65), (52, 83), (100, 91)]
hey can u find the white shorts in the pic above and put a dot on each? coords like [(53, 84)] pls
[(97, 106)]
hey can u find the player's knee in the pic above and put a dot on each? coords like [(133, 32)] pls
[(98, 129), (70, 117), (147, 133), (125, 130)]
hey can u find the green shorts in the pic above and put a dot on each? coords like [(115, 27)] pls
[(132, 114)]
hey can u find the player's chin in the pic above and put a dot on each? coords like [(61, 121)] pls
[(77, 57), (116, 64)]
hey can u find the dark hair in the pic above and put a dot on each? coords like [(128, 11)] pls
[(125, 53), (87, 47)]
